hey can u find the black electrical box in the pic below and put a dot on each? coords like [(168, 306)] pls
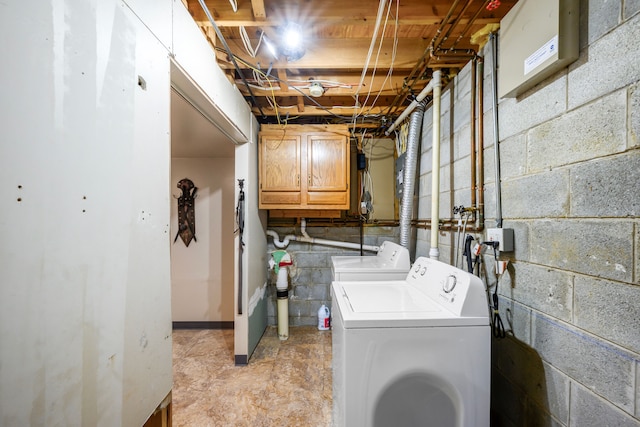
[(361, 161)]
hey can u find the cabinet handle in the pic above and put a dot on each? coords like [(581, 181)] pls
[(298, 180), (309, 180)]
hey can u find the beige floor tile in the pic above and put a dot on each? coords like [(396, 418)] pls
[(287, 383)]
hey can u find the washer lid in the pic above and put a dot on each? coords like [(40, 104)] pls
[(391, 305), (354, 264), (387, 299), (391, 256)]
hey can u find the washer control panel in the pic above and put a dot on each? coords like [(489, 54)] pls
[(394, 254), (447, 285)]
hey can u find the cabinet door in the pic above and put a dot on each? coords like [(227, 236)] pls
[(327, 170), (280, 169)]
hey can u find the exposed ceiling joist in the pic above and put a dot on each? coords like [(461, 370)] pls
[(425, 35), (259, 13)]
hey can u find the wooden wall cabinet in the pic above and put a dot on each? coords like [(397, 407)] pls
[(304, 167)]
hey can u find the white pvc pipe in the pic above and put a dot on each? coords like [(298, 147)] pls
[(434, 252), (339, 244), (284, 243), (422, 95), (282, 281), (283, 318), (303, 228)]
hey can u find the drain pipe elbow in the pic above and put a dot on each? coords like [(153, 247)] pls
[(280, 244), (276, 239)]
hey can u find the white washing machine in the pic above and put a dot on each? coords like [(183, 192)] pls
[(413, 352), (391, 263)]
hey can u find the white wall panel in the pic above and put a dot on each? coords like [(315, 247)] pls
[(157, 16), (194, 54), (255, 251), (147, 320), (84, 269), (202, 274)]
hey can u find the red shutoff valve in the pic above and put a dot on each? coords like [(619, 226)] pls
[(493, 5)]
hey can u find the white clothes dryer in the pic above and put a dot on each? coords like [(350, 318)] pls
[(413, 352), (390, 263)]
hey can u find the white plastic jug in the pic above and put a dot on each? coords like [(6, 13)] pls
[(324, 319)]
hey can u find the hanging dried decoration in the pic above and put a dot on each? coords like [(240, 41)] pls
[(186, 211)]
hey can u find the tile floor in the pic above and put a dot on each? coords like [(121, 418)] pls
[(287, 383)]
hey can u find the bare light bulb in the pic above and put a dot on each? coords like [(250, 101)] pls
[(292, 42)]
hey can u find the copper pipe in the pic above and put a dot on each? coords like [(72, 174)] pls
[(432, 45), (450, 224), (447, 226), (480, 143), (419, 68), (455, 23), (441, 54), (354, 222), (425, 223), (423, 63), (331, 222), (470, 23)]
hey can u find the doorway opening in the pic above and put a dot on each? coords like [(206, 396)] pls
[(202, 274)]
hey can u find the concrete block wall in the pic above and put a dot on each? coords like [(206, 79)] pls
[(570, 176), (310, 275)]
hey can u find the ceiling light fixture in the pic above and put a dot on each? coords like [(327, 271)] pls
[(316, 89), (292, 42)]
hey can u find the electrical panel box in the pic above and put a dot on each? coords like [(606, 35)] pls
[(537, 39), (400, 175)]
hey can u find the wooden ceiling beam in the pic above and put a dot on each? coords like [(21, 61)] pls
[(309, 12), (282, 76), (237, 21), (338, 38), (240, 21), (311, 110), (378, 85), (259, 13), (337, 54), (322, 12)]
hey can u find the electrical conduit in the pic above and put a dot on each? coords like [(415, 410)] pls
[(496, 137)]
